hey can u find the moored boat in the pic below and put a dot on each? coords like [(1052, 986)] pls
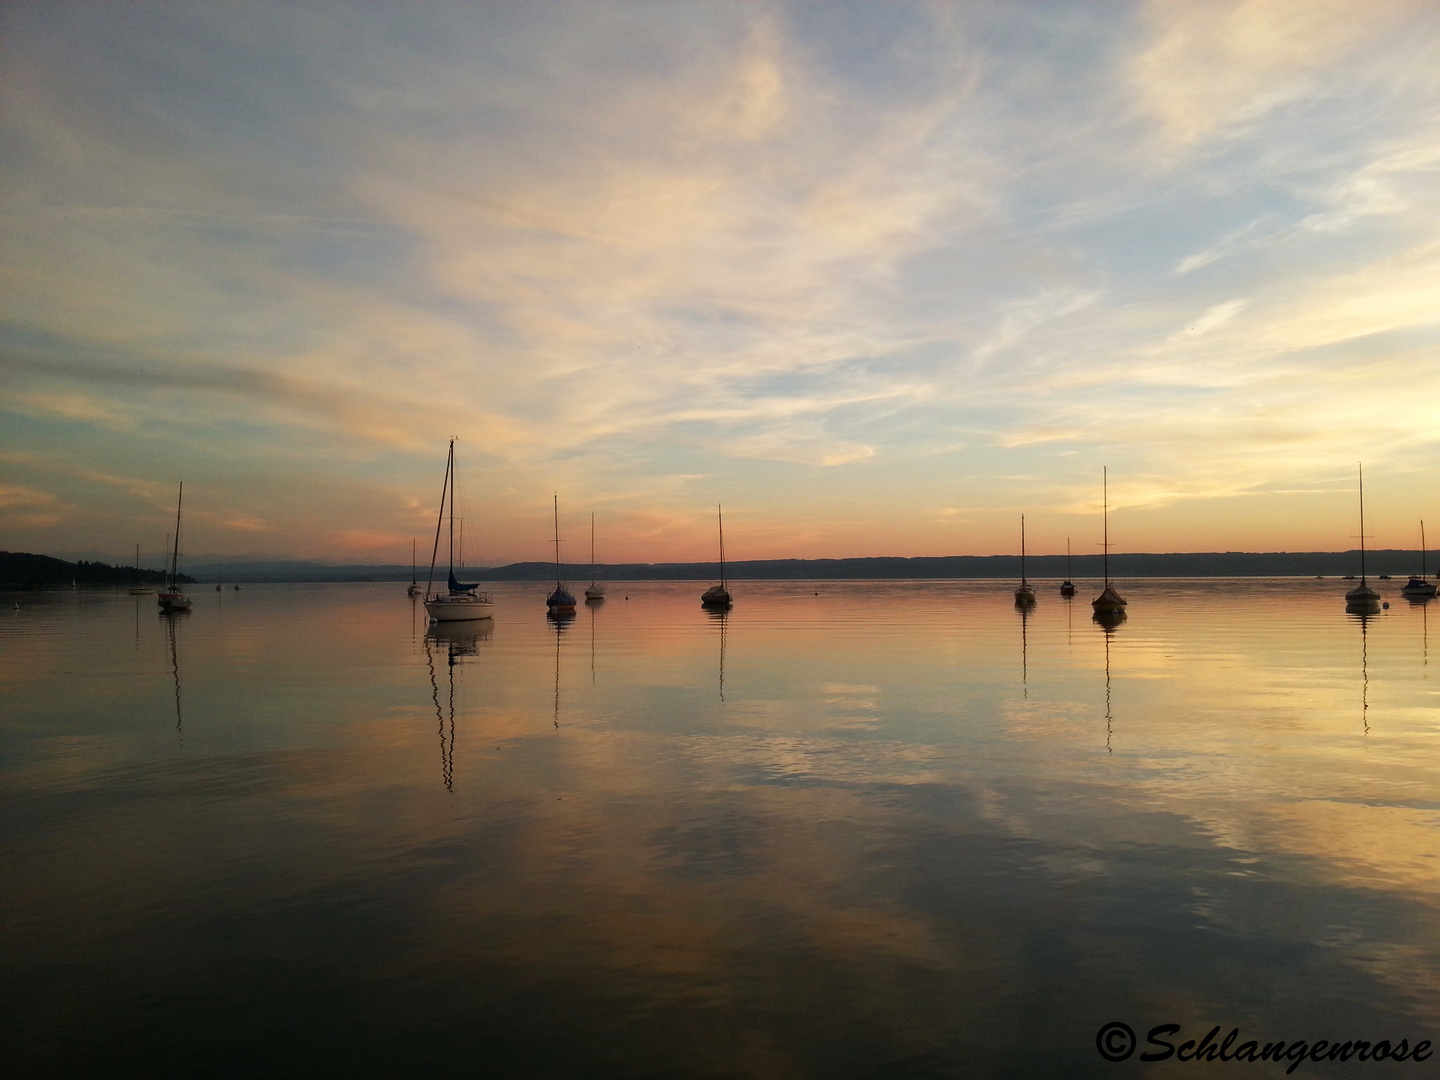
[(559, 602), (461, 601), (718, 596), (172, 598), (1109, 602), (1025, 592), (1417, 588), (1362, 599)]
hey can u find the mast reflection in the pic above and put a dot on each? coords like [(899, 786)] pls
[(721, 616), (1024, 609), (1109, 622), (1364, 618), (459, 639), (561, 622), (171, 617)]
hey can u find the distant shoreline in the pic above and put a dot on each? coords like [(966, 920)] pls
[(1229, 564)]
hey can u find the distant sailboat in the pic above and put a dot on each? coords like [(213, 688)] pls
[(594, 592), (1417, 588), (718, 596), (1025, 594), (559, 602), (1109, 602), (1362, 598), (218, 586), (414, 589), (1067, 587), (171, 599), (461, 601), (139, 589)]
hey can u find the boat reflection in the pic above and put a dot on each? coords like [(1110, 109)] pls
[(1363, 617), (722, 617), (1109, 621), (457, 639), (172, 618), (1024, 609)]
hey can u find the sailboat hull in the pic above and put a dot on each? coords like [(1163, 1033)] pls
[(715, 596), (459, 608)]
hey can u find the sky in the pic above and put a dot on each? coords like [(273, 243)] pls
[(877, 277)]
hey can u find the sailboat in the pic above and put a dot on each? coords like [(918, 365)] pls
[(718, 596), (1417, 588), (1025, 594), (414, 589), (594, 592), (559, 602), (171, 598), (461, 601), (139, 589), (1067, 587), (1362, 598), (218, 586), (1109, 602)]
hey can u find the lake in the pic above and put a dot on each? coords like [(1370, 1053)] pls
[(851, 829)]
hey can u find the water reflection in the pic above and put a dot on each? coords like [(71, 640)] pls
[(457, 639), (172, 619), (1024, 608), (1363, 617), (721, 616)]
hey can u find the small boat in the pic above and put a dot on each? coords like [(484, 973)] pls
[(139, 589), (1417, 588), (559, 602), (595, 591), (1384, 577), (1067, 587), (718, 596), (171, 598), (461, 601), (414, 589), (218, 586), (1109, 602), (1025, 594), (1362, 598)]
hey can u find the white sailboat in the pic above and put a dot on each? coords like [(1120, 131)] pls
[(171, 598), (718, 596), (559, 602), (461, 601), (1362, 598), (1025, 594), (1109, 602), (595, 591)]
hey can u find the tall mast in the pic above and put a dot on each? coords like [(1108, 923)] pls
[(450, 479), (592, 547), (720, 518), (175, 555), (440, 519), (1022, 549), (1105, 518), (1422, 551), (1361, 467), (1067, 558), (557, 539)]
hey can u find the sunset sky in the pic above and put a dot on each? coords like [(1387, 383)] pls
[(878, 277)]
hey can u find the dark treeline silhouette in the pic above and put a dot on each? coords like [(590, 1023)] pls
[(23, 569), (40, 569)]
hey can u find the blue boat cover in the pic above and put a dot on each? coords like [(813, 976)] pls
[(460, 586), (560, 598)]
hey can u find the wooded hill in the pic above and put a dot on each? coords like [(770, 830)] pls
[(18, 568)]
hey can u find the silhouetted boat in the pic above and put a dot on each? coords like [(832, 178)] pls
[(1067, 587), (171, 598), (559, 602), (414, 589), (718, 596), (595, 591), (1362, 597), (461, 601), (1417, 588), (1109, 602), (1025, 594), (139, 588)]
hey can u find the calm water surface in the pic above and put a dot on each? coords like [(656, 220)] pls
[(859, 829)]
